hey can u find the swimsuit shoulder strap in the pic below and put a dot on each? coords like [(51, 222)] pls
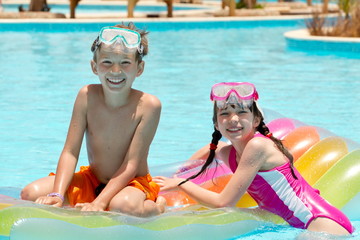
[(232, 159)]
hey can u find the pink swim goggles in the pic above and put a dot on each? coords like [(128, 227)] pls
[(241, 93)]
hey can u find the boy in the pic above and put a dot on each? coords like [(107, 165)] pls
[(119, 123)]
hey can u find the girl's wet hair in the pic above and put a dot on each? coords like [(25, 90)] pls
[(262, 128)]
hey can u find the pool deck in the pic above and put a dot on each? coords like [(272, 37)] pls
[(208, 9)]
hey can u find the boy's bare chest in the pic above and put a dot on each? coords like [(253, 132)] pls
[(109, 126)]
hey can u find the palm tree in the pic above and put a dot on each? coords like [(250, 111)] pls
[(346, 6)]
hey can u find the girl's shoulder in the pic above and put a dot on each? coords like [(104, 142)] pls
[(266, 151), (262, 145), (260, 139)]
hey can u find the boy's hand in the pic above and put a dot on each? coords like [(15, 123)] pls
[(167, 183), (90, 207), (54, 201)]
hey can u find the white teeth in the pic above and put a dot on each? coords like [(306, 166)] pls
[(234, 129), (116, 80)]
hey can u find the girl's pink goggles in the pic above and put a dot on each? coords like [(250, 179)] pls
[(243, 90)]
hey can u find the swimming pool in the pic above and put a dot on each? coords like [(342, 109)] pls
[(43, 66)]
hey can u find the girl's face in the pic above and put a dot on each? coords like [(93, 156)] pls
[(236, 123)]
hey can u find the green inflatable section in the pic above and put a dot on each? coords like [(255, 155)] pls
[(192, 215), (30, 229), (341, 182)]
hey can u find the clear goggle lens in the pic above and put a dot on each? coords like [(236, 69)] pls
[(241, 93)]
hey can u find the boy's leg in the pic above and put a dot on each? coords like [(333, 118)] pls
[(133, 201), (38, 188)]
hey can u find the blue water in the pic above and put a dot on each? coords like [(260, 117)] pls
[(93, 8), (41, 72)]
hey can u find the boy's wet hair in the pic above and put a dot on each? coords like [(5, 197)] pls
[(131, 26)]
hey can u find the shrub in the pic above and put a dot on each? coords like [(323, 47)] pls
[(343, 26)]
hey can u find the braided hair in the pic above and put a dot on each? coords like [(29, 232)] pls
[(216, 136), (262, 128)]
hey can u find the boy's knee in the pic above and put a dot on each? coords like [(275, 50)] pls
[(125, 205), (29, 193), (25, 193)]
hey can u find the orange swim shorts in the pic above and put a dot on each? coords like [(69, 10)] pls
[(84, 183)]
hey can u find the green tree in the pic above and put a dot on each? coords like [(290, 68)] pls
[(346, 6)]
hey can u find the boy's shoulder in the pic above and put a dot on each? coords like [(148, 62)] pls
[(147, 99), (90, 88)]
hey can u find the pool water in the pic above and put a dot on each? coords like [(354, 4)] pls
[(41, 73)]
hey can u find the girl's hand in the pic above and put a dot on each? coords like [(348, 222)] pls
[(167, 183), (54, 201)]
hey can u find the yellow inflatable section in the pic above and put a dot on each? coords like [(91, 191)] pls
[(341, 182), (322, 156)]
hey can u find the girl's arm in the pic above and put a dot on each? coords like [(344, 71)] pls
[(251, 161), (70, 153)]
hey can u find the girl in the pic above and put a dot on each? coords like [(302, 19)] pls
[(261, 165)]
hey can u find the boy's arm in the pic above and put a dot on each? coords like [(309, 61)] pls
[(136, 157), (70, 153)]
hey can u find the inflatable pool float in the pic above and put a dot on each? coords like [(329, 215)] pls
[(328, 162), (23, 220)]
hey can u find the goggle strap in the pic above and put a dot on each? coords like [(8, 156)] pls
[(140, 49)]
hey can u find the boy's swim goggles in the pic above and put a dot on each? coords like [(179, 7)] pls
[(114, 35), (241, 93)]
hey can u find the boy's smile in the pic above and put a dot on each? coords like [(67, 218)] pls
[(115, 80)]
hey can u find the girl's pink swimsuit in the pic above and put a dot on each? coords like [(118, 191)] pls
[(277, 191)]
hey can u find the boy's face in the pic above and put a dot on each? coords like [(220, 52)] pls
[(116, 67)]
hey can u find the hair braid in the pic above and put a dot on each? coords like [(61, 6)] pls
[(216, 136), (264, 130)]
